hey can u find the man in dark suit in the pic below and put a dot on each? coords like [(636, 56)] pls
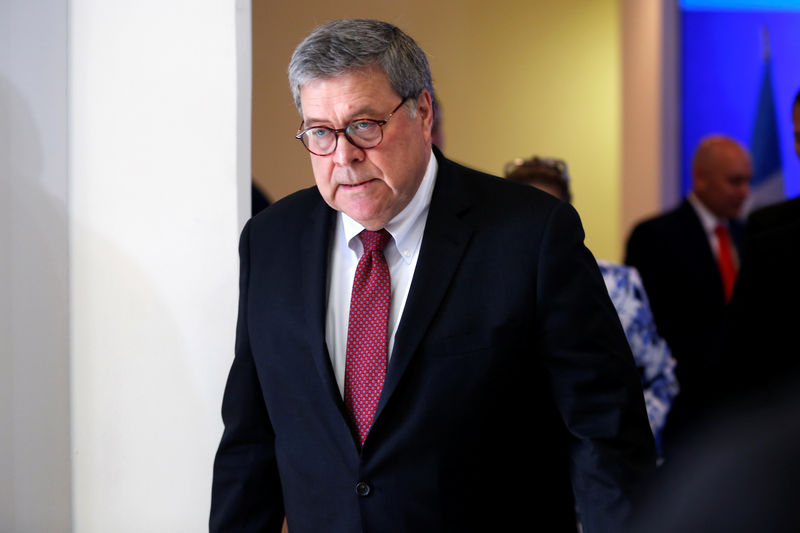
[(741, 474), (758, 351), (688, 259), (495, 385)]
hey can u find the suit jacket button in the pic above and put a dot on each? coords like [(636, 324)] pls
[(363, 488)]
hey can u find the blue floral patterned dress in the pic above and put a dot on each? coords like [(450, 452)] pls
[(650, 351)]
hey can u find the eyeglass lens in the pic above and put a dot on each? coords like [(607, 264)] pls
[(322, 140)]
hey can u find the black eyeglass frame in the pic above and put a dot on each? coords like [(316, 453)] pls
[(380, 123)]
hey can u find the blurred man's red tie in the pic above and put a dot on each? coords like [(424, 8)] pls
[(727, 267)]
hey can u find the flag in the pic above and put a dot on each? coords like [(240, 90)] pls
[(766, 186)]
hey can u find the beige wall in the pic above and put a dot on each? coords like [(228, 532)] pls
[(516, 78)]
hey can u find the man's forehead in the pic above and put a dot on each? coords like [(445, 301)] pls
[(730, 155), (737, 168), (348, 95), (737, 163), (325, 108)]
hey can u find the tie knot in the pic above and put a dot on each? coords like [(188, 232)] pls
[(721, 231), (374, 240)]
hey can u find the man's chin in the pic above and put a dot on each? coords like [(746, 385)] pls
[(368, 216)]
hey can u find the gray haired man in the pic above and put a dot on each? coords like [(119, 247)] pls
[(420, 347)]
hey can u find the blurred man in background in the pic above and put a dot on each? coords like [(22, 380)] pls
[(740, 474), (688, 259)]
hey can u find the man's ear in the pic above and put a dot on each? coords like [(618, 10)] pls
[(425, 112)]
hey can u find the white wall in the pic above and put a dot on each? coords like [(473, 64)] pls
[(155, 178), (124, 181), (34, 346)]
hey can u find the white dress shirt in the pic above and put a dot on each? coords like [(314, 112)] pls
[(710, 221), (401, 253)]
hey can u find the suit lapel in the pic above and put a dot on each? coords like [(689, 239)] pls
[(314, 267), (444, 241), (695, 238), (443, 244)]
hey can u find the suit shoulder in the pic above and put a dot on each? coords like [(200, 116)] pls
[(775, 215), (294, 207), (661, 235), (665, 223), (488, 189)]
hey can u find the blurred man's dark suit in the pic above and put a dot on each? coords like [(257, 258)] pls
[(741, 473), (680, 274), (496, 384), (760, 349)]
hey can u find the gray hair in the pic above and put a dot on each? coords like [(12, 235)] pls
[(350, 44)]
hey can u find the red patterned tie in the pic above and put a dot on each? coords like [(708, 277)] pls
[(727, 268), (367, 329)]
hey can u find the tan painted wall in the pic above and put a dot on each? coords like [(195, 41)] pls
[(515, 78)]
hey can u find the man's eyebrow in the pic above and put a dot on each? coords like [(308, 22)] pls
[(365, 110), (360, 112), (309, 120)]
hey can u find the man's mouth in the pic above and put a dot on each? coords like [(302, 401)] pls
[(358, 184)]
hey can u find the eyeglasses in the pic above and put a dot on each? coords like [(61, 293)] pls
[(364, 133)]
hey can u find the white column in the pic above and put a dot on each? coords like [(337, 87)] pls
[(158, 130), (651, 110), (34, 345)]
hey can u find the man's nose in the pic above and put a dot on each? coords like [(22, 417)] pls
[(346, 152)]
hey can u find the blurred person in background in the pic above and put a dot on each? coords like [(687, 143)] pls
[(258, 199), (759, 349), (688, 259), (741, 472)]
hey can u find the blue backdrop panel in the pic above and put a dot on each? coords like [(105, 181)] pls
[(722, 67)]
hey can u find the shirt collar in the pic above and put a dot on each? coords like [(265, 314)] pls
[(408, 225)]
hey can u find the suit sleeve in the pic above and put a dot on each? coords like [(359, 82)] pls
[(594, 379), (246, 494)]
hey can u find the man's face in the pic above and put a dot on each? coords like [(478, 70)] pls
[(724, 183), (796, 120), (370, 185)]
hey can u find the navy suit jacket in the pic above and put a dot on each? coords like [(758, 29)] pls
[(682, 281), (510, 377)]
